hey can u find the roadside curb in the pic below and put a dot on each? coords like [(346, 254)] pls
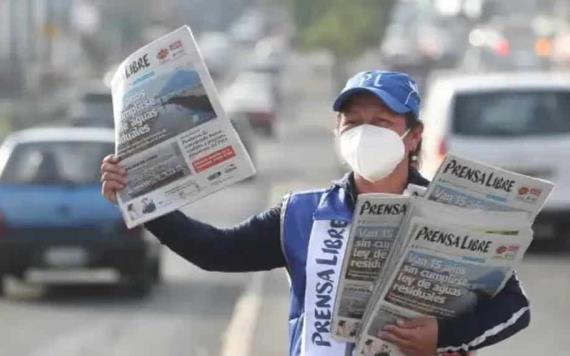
[(238, 338)]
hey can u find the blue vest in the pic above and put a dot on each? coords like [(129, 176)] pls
[(299, 210)]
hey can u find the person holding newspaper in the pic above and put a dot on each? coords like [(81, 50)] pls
[(379, 134)]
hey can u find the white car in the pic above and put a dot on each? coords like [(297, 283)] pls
[(518, 121), (251, 94)]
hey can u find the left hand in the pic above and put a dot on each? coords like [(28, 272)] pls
[(416, 337)]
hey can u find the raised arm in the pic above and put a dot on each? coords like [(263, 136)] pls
[(253, 245)]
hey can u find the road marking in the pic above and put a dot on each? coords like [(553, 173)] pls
[(239, 335)]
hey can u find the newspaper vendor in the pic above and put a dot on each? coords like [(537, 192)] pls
[(380, 135)]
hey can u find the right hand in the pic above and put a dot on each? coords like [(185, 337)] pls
[(113, 178)]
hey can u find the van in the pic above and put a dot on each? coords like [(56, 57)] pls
[(517, 121)]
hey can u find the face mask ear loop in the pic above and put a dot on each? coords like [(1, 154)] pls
[(406, 133)]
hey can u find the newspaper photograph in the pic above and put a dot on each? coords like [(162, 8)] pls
[(466, 183), (171, 133), (377, 218), (444, 271)]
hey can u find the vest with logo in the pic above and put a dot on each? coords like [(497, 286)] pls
[(299, 212)]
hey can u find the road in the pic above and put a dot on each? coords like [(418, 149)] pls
[(210, 314)]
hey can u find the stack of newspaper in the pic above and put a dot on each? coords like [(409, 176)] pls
[(448, 247)]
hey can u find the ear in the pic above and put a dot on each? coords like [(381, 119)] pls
[(415, 137)]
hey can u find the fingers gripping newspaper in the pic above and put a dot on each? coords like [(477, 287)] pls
[(172, 135)]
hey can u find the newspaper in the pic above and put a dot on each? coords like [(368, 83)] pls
[(501, 223), (171, 133), (458, 243), (444, 270), (466, 183), (377, 219)]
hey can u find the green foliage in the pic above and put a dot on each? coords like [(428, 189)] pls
[(344, 27)]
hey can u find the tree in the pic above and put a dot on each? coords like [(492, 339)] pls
[(346, 28)]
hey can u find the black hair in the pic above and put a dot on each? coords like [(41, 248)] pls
[(412, 121)]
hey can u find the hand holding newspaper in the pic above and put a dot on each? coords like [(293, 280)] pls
[(171, 132)]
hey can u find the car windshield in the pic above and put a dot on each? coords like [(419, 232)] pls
[(512, 113), (54, 163)]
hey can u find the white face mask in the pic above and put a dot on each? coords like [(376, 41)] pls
[(371, 151)]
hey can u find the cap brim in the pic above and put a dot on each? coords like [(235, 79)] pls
[(384, 96)]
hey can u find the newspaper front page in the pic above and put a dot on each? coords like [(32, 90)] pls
[(444, 270), (513, 223), (377, 218), (509, 223), (172, 135), (466, 183)]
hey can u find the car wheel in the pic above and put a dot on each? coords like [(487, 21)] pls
[(140, 282), (139, 285), (156, 271)]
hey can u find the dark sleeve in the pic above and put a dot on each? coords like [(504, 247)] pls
[(492, 321), (253, 245)]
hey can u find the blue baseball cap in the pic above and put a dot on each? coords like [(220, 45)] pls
[(395, 89)]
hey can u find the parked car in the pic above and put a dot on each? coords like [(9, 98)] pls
[(518, 121), (52, 214), (252, 94)]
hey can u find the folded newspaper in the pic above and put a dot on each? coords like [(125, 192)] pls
[(457, 242), (377, 218), (466, 183), (171, 132), (443, 271)]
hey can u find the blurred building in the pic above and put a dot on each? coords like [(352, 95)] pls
[(37, 44)]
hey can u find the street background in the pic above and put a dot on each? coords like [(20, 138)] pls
[(52, 50)]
